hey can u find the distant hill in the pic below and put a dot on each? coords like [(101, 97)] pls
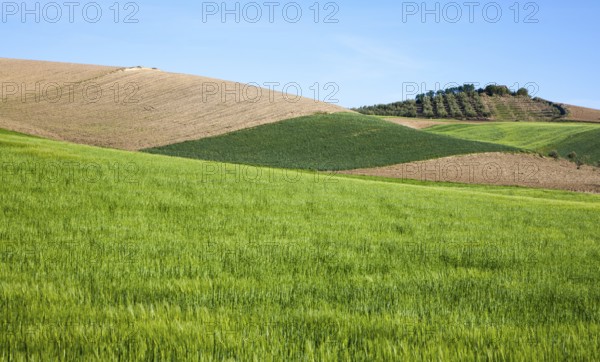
[(134, 108), (494, 103), (582, 114)]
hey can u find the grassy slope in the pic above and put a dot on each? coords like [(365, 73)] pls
[(586, 145), (542, 137), (135, 256), (340, 141)]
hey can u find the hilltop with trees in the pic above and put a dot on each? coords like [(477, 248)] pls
[(494, 102)]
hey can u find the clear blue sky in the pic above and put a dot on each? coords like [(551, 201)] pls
[(370, 52)]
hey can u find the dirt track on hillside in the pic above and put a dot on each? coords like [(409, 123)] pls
[(419, 123), (136, 108), (496, 169)]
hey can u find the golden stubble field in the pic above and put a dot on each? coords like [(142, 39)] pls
[(583, 114), (136, 108)]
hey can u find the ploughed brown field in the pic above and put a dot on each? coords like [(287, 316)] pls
[(496, 169), (135, 108)]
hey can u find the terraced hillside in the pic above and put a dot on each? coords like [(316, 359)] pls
[(134, 108), (338, 141), (113, 255), (521, 108)]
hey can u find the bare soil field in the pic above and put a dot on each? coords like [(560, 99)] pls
[(496, 169), (135, 108)]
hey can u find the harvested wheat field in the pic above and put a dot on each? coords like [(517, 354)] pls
[(135, 108), (496, 169), (583, 114)]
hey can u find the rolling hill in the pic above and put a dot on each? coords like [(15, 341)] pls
[(340, 141), (582, 114), (134, 108), (494, 103), (565, 138), (114, 255), (586, 145)]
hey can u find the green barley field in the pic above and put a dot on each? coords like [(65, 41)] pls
[(109, 255)]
